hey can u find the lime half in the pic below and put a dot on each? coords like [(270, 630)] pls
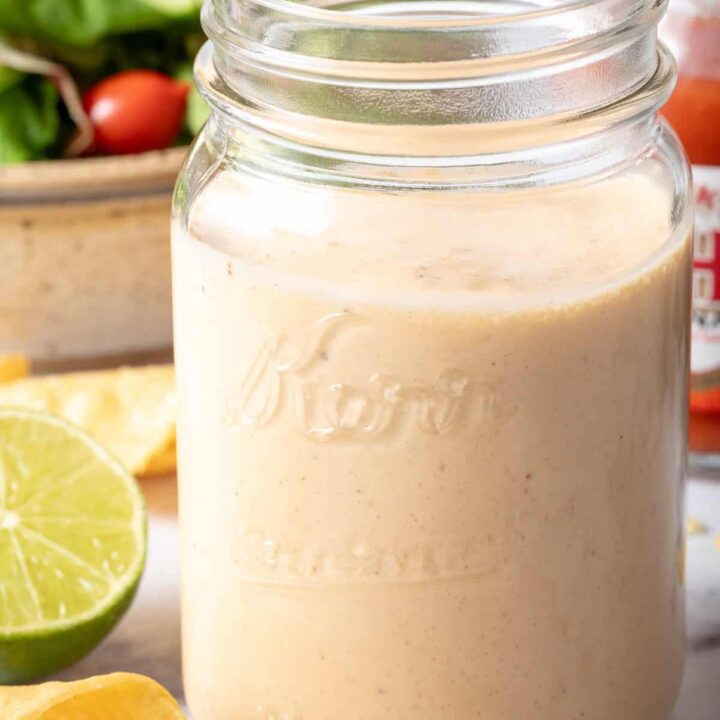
[(72, 544)]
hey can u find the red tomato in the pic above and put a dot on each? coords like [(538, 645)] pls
[(136, 111)]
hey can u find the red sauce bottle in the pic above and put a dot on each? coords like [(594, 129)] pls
[(692, 30)]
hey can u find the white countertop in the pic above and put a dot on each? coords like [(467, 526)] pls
[(700, 698), (147, 640)]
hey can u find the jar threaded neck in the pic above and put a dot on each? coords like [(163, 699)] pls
[(354, 77)]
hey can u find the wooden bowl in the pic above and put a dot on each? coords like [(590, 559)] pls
[(85, 259)]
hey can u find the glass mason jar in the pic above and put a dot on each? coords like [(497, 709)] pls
[(432, 268)]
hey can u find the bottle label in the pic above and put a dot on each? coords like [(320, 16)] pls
[(705, 358)]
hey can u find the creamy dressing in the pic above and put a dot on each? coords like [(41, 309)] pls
[(429, 452)]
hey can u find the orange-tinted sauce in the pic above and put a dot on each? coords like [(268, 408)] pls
[(694, 112)]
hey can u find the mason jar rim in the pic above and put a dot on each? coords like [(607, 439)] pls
[(356, 48), (322, 12), (275, 31), (284, 68)]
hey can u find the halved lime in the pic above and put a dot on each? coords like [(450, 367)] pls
[(72, 544)]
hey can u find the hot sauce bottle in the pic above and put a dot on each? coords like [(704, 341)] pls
[(692, 30)]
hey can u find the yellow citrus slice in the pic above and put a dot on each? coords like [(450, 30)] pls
[(120, 696)]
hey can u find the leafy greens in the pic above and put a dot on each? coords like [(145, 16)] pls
[(91, 39)]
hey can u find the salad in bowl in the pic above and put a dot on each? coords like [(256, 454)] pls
[(96, 109), (96, 77)]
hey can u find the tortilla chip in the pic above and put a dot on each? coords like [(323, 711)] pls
[(163, 463), (131, 411), (13, 367)]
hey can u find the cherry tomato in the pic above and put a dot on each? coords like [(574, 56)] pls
[(136, 111)]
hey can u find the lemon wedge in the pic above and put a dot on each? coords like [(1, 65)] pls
[(119, 696)]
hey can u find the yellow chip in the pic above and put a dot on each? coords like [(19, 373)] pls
[(131, 411), (163, 463), (108, 697), (13, 367)]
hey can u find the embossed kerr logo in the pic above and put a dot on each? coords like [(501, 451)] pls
[(299, 381)]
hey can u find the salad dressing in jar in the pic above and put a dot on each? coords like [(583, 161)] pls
[(432, 293)]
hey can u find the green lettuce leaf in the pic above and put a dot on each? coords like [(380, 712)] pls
[(29, 117), (9, 77), (176, 7), (197, 110), (84, 22)]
